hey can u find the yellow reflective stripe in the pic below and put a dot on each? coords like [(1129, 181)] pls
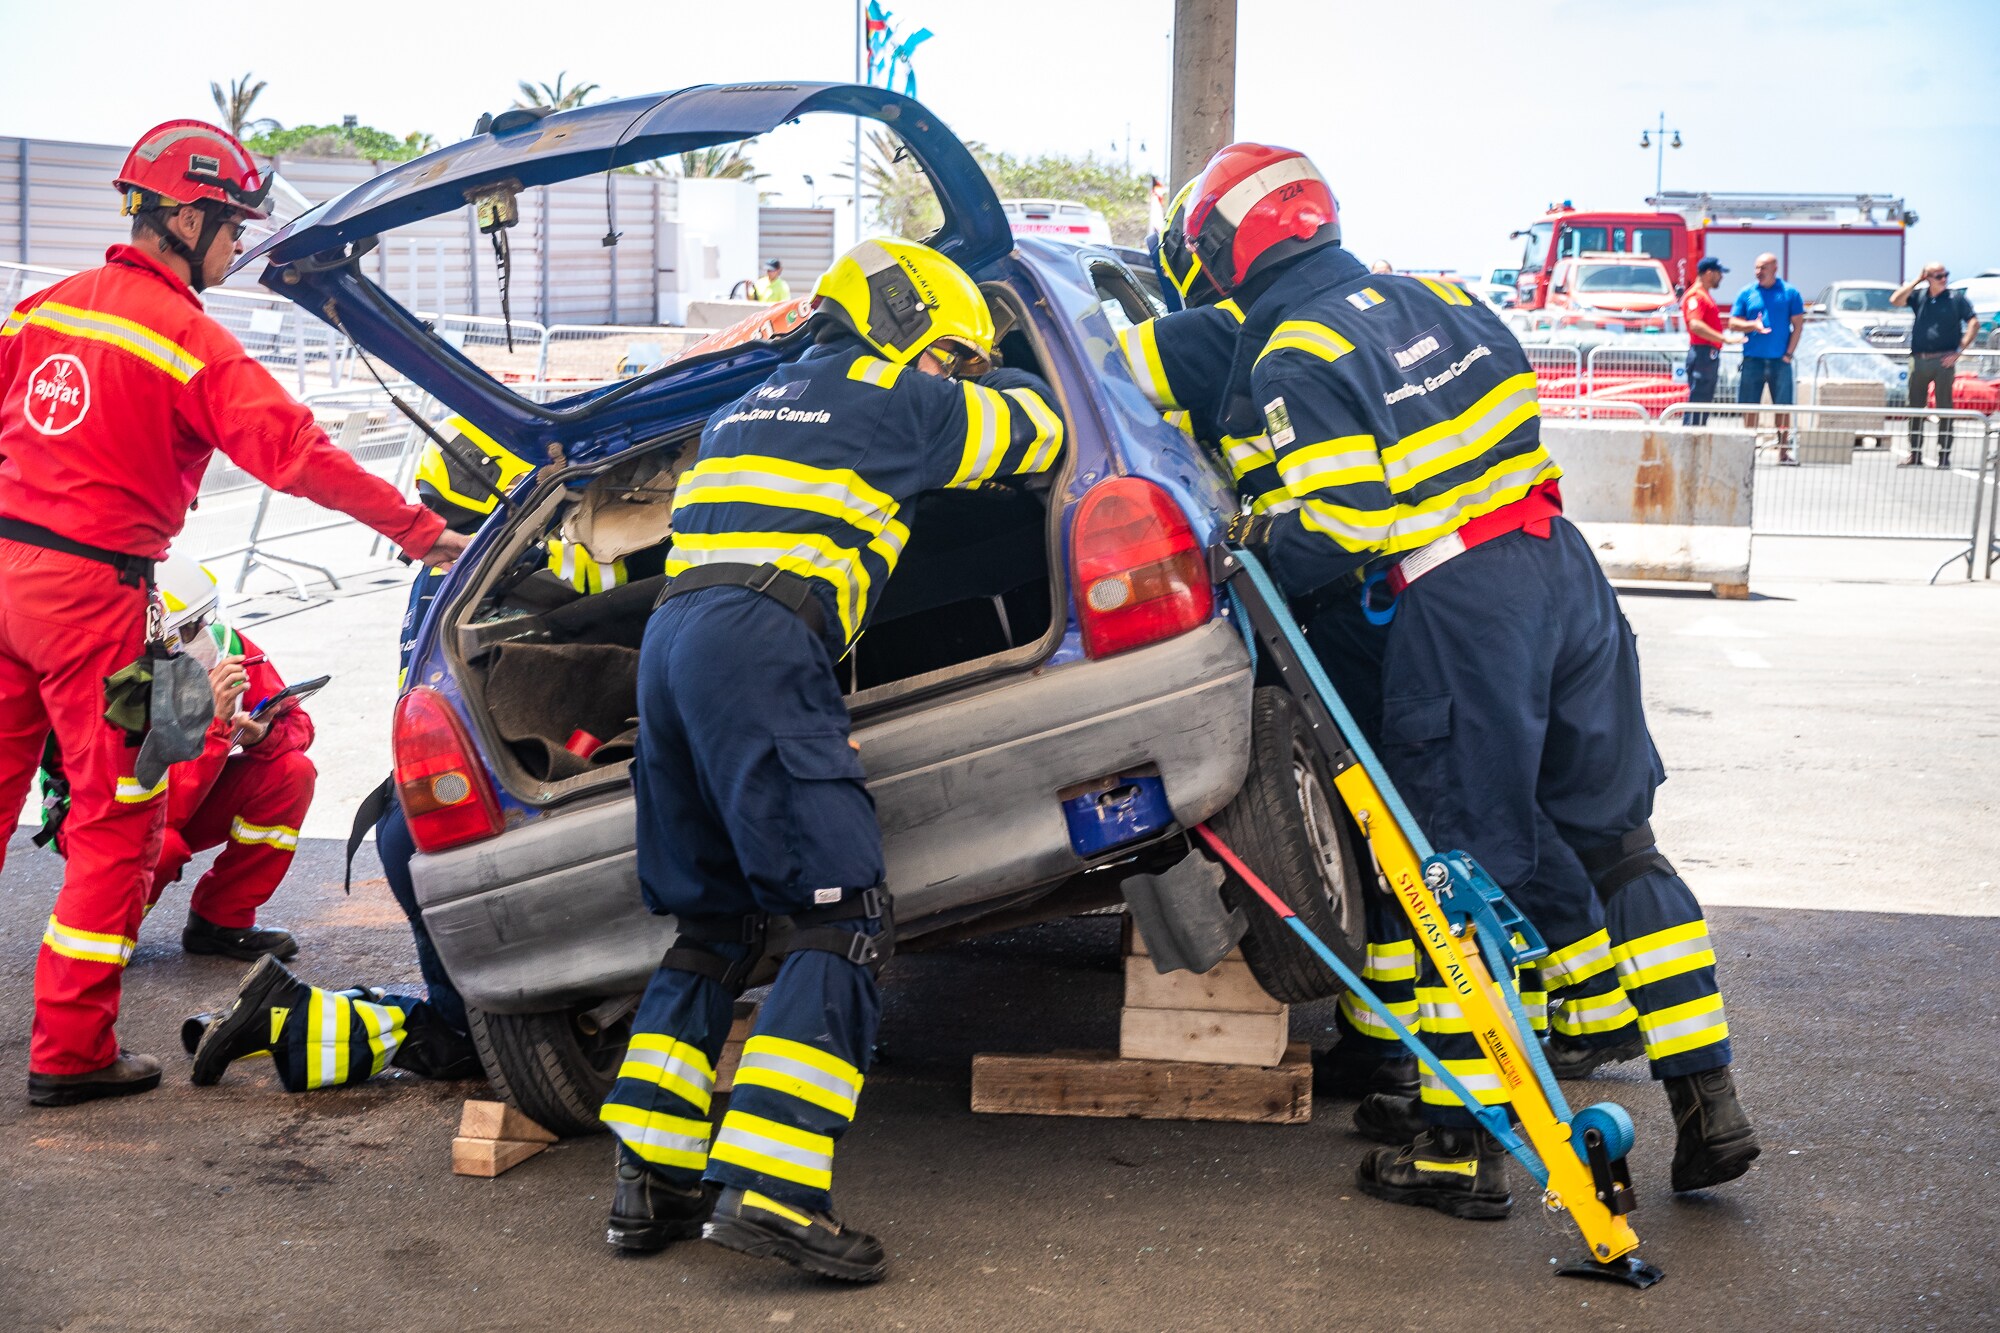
[(1230, 307), (1664, 953), (1605, 1013), (1247, 455), (116, 331), (88, 946), (1406, 467), (798, 1070), (1451, 426), (1181, 421), (1304, 335), (1351, 529), (131, 793), (1503, 484), (1577, 962), (770, 1205), (672, 1064), (781, 483), (988, 425), (1141, 345), (1447, 292), (328, 1019), (1446, 1168), (280, 836), (1042, 448), (872, 370), (1366, 1021), (1337, 462), (661, 1139), (1478, 1076), (1278, 501), (1396, 961), (808, 554), (1684, 1027), (772, 1149), (384, 1023)]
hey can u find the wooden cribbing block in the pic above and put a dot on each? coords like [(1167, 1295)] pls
[(1097, 1084), (497, 1120), (1204, 1036), (732, 1050), (1227, 987), (489, 1157)]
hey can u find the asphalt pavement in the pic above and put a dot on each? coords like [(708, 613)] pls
[(1832, 803)]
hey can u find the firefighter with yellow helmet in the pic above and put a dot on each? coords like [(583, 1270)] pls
[(756, 831)]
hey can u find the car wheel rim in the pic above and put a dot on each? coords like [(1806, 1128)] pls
[(1322, 826)]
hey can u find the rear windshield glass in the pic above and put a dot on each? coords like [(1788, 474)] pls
[(1861, 298)]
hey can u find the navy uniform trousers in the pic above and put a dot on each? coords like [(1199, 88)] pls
[(1513, 725), (749, 801)]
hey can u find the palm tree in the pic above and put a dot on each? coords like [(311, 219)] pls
[(721, 162), (235, 107), (905, 204), (554, 96)]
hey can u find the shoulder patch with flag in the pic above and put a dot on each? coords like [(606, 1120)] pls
[(1365, 299), (1279, 423)]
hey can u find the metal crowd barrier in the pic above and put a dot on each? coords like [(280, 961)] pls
[(1837, 486)]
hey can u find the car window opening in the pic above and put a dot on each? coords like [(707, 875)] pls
[(549, 643)]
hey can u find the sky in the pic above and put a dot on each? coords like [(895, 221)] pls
[(1443, 124)]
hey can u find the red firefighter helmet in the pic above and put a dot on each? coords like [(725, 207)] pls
[(187, 161), (1254, 206)]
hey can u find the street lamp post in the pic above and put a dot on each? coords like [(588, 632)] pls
[(1646, 140)]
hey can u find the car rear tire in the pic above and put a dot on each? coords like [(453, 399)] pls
[(549, 1067), (1289, 826)]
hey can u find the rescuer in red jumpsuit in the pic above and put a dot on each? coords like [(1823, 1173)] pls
[(115, 389)]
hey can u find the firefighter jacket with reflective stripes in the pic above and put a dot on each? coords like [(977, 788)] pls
[(810, 470), (115, 389), (1399, 408), (188, 782), (1181, 362)]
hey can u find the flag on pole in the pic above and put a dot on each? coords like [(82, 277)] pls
[(887, 55)]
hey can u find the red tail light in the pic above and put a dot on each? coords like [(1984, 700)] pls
[(1140, 575), (446, 796)]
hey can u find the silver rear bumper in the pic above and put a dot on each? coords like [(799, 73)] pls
[(549, 913)]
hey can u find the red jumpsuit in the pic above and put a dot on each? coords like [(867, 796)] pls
[(115, 389), (250, 804)]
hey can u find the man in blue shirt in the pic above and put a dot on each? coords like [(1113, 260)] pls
[(1778, 314)]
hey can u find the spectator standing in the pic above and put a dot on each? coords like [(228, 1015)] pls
[(1774, 312), (1944, 326), (1708, 329), (773, 288)]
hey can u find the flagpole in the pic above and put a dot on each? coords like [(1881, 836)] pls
[(860, 76)]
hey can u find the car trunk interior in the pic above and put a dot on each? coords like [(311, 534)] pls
[(974, 594)]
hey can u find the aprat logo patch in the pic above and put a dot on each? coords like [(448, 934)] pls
[(58, 395)]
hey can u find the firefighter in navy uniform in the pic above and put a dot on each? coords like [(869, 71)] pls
[(755, 828), (1181, 361), (1404, 419)]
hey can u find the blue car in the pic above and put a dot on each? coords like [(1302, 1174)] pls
[(1052, 693)]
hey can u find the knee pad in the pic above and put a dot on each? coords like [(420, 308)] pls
[(693, 950), (1615, 864), (821, 930)]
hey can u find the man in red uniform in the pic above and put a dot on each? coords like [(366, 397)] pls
[(1708, 329), (247, 792), (115, 389)]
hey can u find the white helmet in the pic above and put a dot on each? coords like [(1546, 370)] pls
[(188, 590)]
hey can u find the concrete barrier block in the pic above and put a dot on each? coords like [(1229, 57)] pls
[(1659, 502)]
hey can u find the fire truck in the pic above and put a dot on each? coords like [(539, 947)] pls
[(1818, 238)]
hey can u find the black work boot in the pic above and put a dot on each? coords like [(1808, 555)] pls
[(755, 1224), (1571, 1059), (1389, 1118), (195, 1024), (244, 943), (252, 1022), (123, 1077), (649, 1212), (1459, 1172), (1713, 1139), (1349, 1070)]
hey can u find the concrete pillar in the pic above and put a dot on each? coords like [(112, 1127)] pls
[(1204, 84)]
